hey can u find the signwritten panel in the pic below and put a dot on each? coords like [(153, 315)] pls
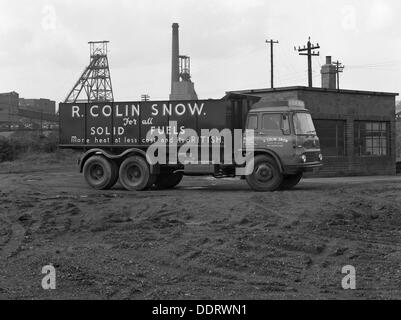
[(126, 124)]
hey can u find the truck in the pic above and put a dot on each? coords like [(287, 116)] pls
[(269, 144)]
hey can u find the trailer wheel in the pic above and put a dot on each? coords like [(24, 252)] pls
[(266, 175), (100, 173), (168, 180), (135, 174), (290, 181)]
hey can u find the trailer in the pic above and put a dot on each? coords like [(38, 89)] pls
[(153, 144)]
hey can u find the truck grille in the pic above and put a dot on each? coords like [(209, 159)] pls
[(312, 156)]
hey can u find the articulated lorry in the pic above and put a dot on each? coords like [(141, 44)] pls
[(153, 144)]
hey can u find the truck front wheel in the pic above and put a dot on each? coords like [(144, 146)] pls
[(135, 174), (100, 173), (168, 180), (290, 181), (266, 175)]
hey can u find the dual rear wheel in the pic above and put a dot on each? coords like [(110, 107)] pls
[(134, 174), (100, 173)]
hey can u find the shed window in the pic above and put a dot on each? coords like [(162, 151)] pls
[(372, 138)]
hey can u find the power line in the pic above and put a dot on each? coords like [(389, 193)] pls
[(293, 76), (384, 67), (309, 49), (387, 63), (288, 70)]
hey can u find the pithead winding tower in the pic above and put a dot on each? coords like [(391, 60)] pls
[(94, 85)]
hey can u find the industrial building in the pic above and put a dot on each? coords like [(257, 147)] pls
[(38, 105), (9, 103), (357, 129), (17, 113)]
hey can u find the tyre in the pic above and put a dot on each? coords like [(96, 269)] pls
[(168, 180), (100, 173), (266, 175), (135, 174), (114, 171), (290, 181)]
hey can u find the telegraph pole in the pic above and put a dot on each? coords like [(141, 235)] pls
[(272, 43), (309, 49), (339, 69)]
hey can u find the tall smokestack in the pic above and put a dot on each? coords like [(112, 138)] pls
[(184, 89), (175, 68)]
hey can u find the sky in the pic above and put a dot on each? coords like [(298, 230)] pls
[(43, 48)]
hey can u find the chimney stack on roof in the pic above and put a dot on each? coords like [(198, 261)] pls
[(329, 74)]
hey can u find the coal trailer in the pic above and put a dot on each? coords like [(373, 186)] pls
[(270, 145)]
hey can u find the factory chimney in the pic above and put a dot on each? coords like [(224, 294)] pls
[(182, 88), (329, 75), (175, 54)]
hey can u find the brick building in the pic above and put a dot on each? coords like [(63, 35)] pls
[(17, 113), (9, 107), (38, 105), (357, 129)]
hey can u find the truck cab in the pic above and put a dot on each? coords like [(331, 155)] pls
[(283, 132)]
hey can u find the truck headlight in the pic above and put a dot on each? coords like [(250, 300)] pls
[(303, 158)]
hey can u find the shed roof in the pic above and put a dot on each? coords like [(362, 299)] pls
[(256, 92)]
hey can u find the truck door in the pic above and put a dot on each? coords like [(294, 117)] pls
[(274, 133)]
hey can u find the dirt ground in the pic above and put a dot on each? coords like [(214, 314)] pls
[(207, 239)]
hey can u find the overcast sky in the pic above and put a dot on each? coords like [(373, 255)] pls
[(44, 49)]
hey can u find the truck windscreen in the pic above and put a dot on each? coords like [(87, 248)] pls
[(303, 124)]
